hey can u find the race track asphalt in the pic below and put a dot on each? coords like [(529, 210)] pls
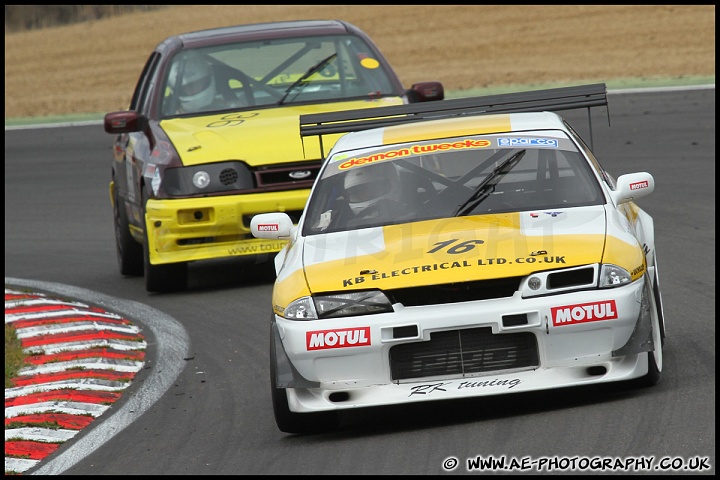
[(66, 387)]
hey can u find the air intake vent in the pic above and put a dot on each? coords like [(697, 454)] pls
[(228, 176), (464, 353)]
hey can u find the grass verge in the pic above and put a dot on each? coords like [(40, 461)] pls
[(14, 356)]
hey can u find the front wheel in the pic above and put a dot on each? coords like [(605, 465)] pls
[(658, 302), (129, 251), (292, 422), (654, 358), (167, 278)]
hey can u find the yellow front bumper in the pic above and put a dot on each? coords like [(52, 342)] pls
[(183, 230)]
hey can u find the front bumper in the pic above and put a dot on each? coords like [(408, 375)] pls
[(183, 230), (356, 369)]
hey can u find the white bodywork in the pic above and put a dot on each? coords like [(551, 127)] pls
[(583, 334)]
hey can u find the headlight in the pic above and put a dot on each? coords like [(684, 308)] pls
[(585, 277), (613, 276), (201, 179), (339, 305), (301, 309), (207, 178)]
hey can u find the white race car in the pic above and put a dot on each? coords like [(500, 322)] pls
[(485, 252)]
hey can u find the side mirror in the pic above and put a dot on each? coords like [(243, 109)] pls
[(276, 225), (123, 122), (632, 186), (426, 92)]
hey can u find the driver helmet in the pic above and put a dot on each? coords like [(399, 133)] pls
[(197, 89), (368, 185)]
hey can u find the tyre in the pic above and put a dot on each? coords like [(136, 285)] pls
[(655, 358), (292, 422), (654, 370), (658, 302), (171, 277), (129, 251), (165, 278)]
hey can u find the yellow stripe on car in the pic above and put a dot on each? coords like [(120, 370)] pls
[(456, 127)]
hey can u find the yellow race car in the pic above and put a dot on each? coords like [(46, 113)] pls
[(211, 137)]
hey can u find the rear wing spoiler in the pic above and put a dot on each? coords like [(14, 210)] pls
[(555, 99)]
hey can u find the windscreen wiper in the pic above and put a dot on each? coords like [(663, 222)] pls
[(487, 186), (315, 68)]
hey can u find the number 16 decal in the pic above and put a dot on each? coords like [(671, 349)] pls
[(461, 247)]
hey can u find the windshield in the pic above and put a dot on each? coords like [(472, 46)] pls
[(446, 178), (273, 72)]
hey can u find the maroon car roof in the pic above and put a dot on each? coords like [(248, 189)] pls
[(259, 31)]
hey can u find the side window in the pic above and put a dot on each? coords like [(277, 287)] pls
[(607, 178), (360, 66), (145, 84)]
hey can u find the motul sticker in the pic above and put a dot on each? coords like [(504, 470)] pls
[(584, 312), (268, 227), (346, 337), (639, 185)]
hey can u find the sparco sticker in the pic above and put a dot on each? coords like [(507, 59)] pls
[(527, 142)]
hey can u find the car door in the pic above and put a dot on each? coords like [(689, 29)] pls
[(132, 150)]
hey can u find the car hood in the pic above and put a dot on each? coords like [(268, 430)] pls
[(257, 137), (457, 249)]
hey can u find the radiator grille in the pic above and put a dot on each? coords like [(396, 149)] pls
[(464, 352), (456, 292), (287, 176)]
